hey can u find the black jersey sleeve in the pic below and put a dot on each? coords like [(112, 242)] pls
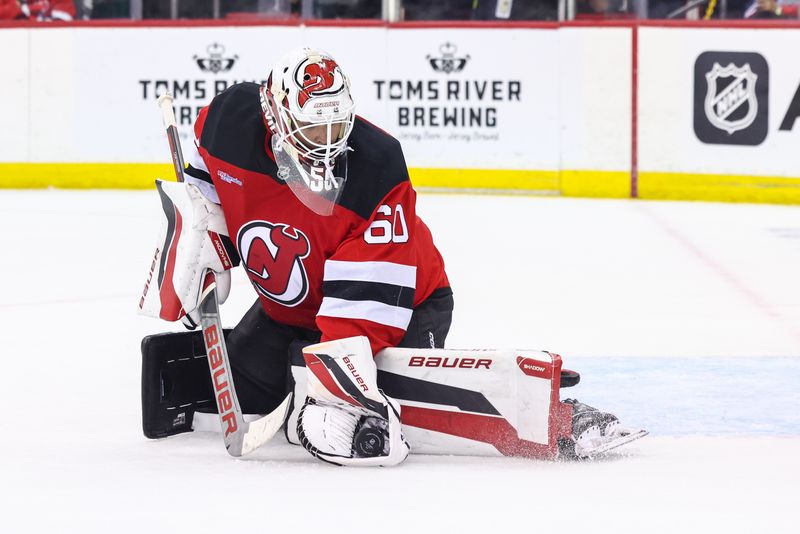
[(375, 167)]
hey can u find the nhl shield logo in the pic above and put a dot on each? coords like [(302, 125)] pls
[(731, 103), (731, 98)]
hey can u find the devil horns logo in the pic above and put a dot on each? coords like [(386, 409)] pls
[(322, 78), (273, 255)]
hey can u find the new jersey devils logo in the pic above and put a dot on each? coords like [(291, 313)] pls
[(318, 79), (273, 255)]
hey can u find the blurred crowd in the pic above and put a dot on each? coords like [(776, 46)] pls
[(38, 9), (410, 10)]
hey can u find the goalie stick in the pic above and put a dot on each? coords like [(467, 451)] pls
[(240, 437), (168, 116)]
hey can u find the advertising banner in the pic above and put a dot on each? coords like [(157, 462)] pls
[(719, 101), (14, 105), (194, 64), (456, 98), (546, 108), (475, 99), (594, 85)]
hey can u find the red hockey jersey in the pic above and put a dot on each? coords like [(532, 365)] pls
[(360, 270)]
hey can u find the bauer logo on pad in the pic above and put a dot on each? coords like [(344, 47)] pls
[(731, 96)]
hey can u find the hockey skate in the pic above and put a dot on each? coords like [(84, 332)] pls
[(594, 432)]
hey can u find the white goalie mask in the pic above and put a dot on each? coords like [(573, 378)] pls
[(307, 106)]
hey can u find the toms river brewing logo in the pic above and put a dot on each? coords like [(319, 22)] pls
[(449, 103), (215, 61), (731, 98), (204, 77)]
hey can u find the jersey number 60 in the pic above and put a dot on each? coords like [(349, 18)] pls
[(388, 230)]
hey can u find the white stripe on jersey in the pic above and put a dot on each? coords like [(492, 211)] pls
[(369, 310), (371, 271)]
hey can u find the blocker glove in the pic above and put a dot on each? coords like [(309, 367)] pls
[(193, 239)]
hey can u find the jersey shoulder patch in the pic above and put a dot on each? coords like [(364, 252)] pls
[(375, 166), (234, 131)]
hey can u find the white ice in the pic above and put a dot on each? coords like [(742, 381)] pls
[(682, 317)]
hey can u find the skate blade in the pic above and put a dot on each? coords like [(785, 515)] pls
[(614, 443)]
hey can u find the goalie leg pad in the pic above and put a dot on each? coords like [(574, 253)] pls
[(175, 383), (470, 402)]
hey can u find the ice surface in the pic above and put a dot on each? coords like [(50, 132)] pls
[(682, 317)]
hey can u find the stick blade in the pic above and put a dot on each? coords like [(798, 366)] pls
[(262, 430)]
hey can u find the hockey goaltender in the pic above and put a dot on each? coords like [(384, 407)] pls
[(343, 349)]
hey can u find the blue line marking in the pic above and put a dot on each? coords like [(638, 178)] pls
[(694, 396)]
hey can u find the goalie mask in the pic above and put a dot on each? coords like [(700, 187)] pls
[(307, 106)]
